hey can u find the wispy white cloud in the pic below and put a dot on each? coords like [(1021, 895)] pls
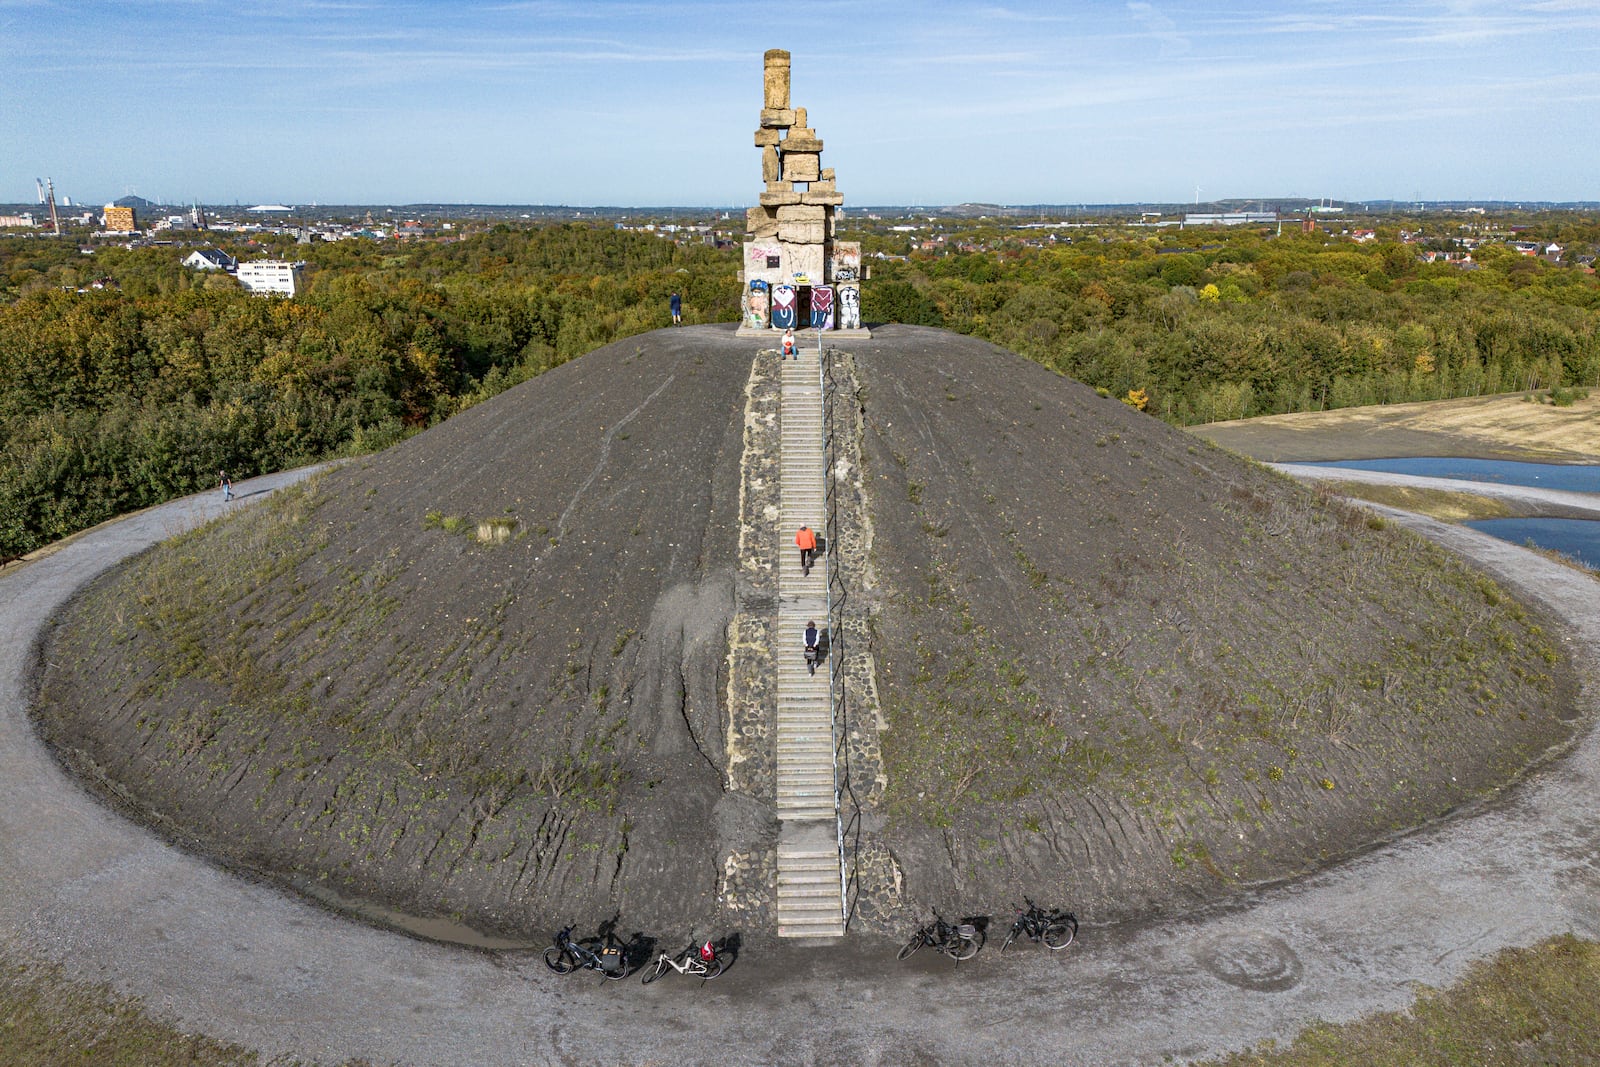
[(1160, 26)]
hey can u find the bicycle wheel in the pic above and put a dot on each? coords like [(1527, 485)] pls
[(962, 948), (1059, 934), (651, 974), (910, 946), (713, 969), (559, 960), (615, 976)]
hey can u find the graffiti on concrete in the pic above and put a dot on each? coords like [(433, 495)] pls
[(783, 307), (821, 307), (756, 306), (849, 307)]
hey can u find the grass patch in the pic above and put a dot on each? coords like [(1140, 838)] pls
[(1522, 1006), (1442, 504), (49, 1020)]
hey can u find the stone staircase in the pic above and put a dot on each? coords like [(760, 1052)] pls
[(809, 897)]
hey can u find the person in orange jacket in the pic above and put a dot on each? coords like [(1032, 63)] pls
[(807, 543)]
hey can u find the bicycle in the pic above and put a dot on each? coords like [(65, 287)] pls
[(700, 962), (594, 954), (1056, 928), (959, 941)]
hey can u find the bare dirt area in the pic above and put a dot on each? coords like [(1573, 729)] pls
[(1494, 427)]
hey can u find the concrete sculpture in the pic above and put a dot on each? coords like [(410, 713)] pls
[(789, 248)]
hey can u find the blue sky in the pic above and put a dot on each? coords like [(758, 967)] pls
[(593, 102)]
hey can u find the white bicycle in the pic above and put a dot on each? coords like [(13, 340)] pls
[(699, 961)]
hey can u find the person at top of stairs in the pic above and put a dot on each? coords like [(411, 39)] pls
[(789, 348)]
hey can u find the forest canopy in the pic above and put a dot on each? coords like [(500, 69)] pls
[(122, 396)]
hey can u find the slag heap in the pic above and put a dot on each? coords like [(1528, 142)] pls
[(795, 274)]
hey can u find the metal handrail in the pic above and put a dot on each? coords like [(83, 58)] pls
[(838, 704), (829, 525)]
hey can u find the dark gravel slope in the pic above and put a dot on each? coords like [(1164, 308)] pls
[(1120, 668), (1124, 669), (349, 685)]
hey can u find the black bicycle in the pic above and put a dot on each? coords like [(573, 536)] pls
[(594, 954), (1055, 928), (959, 941)]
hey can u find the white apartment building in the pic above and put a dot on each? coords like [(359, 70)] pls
[(270, 276)]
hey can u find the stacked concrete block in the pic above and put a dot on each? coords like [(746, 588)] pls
[(789, 234)]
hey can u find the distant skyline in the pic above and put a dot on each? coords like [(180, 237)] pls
[(593, 102)]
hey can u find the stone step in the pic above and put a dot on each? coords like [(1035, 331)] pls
[(818, 753), (809, 866), (810, 931), (810, 872), (815, 871), (792, 777), (802, 894), (811, 909), (805, 812)]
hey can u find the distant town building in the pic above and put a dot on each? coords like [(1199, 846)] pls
[(1229, 218), (15, 221), (270, 276), (118, 219), (210, 259)]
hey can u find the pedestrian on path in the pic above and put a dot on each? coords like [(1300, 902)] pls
[(788, 346), (675, 302), (806, 541), (811, 646), (226, 484)]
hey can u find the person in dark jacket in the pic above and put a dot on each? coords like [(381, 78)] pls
[(811, 647)]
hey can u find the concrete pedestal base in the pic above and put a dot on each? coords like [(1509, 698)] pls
[(807, 336)]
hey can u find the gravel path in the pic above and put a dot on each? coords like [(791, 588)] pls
[(247, 963), (1543, 503)]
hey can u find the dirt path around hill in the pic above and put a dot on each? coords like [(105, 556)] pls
[(1529, 501), (1489, 427), (245, 962)]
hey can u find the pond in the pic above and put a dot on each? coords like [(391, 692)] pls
[(1576, 478), (1578, 538)]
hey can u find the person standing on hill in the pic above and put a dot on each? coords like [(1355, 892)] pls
[(226, 485), (806, 541), (675, 302)]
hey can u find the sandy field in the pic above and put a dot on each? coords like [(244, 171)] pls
[(1494, 427)]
